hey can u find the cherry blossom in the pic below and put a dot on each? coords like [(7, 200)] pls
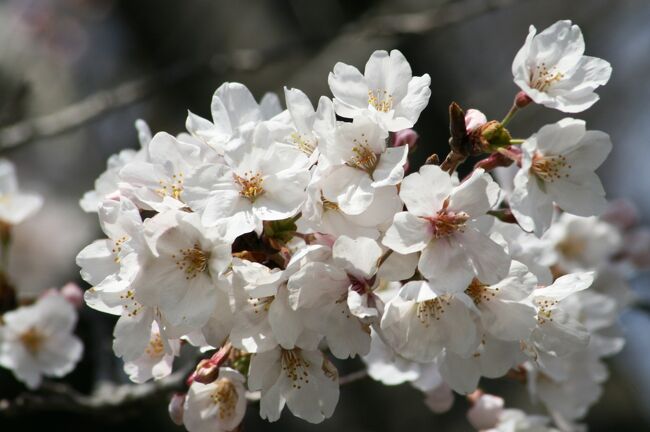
[(552, 70), (386, 92), (558, 164), (15, 206), (37, 340)]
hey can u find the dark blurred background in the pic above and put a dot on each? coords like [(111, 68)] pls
[(76, 74)]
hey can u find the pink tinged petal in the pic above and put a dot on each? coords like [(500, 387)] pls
[(349, 88), (562, 336), (390, 169), (384, 206), (97, 261), (440, 399), (218, 327), (424, 192), (285, 322), (358, 256), (488, 259), (446, 266), (408, 234), (519, 283), (388, 72), (476, 195), (459, 328)]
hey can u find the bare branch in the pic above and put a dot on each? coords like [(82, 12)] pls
[(107, 396), (353, 376)]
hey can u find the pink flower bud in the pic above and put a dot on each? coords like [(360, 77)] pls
[(440, 399), (176, 408), (324, 239), (404, 137), (522, 99), (474, 119), (485, 412), (73, 294)]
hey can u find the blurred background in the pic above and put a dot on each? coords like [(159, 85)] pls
[(76, 74)]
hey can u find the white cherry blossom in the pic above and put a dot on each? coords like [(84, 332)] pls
[(156, 362), (37, 340), (218, 406), (552, 70), (440, 222), (234, 110), (305, 381), (361, 164), (557, 166), (260, 180), (386, 92)]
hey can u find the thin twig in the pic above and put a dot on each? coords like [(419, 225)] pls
[(353, 376)]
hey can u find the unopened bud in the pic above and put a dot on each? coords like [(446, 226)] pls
[(491, 136), (485, 412), (206, 371), (439, 399), (73, 294), (522, 99), (474, 119), (176, 407), (407, 137)]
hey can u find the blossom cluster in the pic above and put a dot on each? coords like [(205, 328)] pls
[(280, 241), (36, 335)]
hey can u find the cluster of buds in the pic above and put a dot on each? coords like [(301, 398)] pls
[(285, 240)]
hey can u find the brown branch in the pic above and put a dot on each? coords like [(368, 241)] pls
[(353, 376), (97, 104), (106, 398)]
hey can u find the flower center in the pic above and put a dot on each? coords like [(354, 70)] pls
[(480, 292), (156, 347), (304, 144), (572, 247), (295, 367), (327, 204), (380, 99), (549, 168), (431, 309), (250, 185), (447, 222), (542, 78), (225, 397), (545, 309), (172, 188), (363, 157), (192, 261), (32, 340)]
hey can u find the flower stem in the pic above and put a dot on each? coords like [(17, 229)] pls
[(510, 115), (516, 141)]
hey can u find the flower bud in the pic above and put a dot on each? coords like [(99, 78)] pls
[(73, 294), (206, 371), (490, 136), (439, 399), (405, 137), (175, 408), (485, 412), (522, 99), (474, 119)]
